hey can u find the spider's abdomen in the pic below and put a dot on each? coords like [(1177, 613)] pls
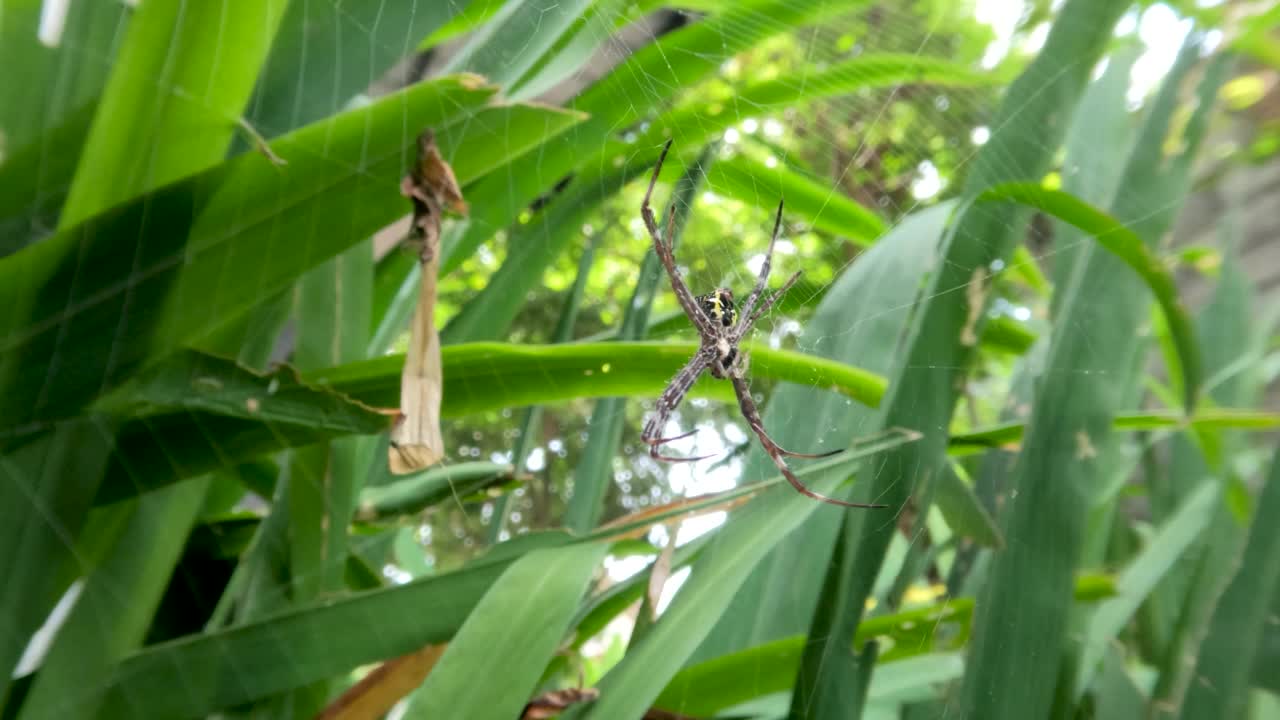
[(718, 305)]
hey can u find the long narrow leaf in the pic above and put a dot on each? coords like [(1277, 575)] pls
[(1224, 662), (1070, 432), (1126, 245), (183, 288), (928, 369), (510, 637)]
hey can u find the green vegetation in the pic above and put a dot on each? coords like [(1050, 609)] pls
[(204, 326)]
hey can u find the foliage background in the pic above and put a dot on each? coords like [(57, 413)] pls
[(1037, 306)]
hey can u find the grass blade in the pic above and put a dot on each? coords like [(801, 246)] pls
[(510, 636), (679, 60), (1125, 244), (927, 367), (1069, 436), (221, 221), (199, 675), (714, 685), (503, 49), (755, 184), (632, 685), (1140, 578), (1225, 659), (142, 139)]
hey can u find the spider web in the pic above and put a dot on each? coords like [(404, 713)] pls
[(373, 52)]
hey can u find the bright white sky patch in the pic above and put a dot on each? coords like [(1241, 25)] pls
[(1163, 32), (980, 135), (672, 586), (53, 20), (621, 568), (928, 184), (537, 460), (1002, 16), (1036, 39)]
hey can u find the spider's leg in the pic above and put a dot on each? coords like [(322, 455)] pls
[(739, 370), (653, 453), (774, 297), (662, 246), (668, 402), (655, 442), (775, 452), (763, 279), (648, 195)]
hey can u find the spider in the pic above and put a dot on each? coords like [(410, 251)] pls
[(721, 325)]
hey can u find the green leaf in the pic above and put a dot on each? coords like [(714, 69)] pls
[(647, 79), (193, 414), (488, 315), (546, 236), (208, 429), (591, 31), (1125, 244), (142, 139), (482, 376), (395, 296), (963, 511), (1228, 337), (139, 140), (866, 72), (297, 647), (187, 287), (929, 366), (632, 685), (861, 448), (820, 205), (324, 55), (1205, 418), (56, 83), (184, 433), (712, 686), (45, 488), (1024, 607), (1000, 333), (506, 47), (201, 674), (875, 296), (414, 492), (531, 422), (510, 637), (36, 178), (1103, 119), (126, 588), (1225, 658), (332, 312), (1140, 578)]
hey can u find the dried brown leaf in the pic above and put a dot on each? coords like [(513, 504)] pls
[(377, 692), (416, 442), (433, 188), (551, 704)]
